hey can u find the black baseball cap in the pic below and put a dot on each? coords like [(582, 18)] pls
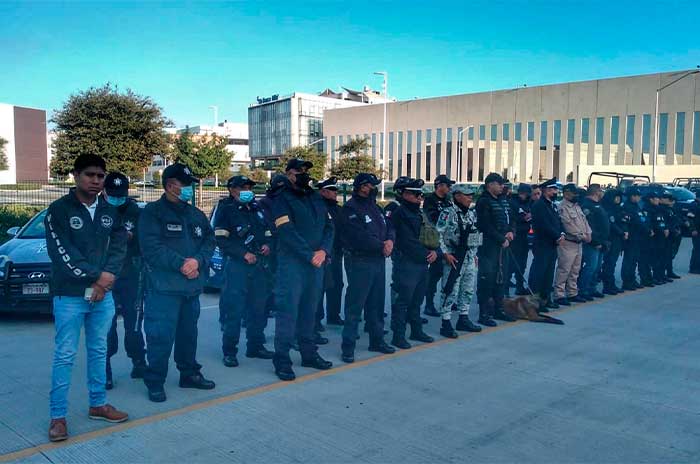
[(329, 184), (443, 179), (570, 187), (652, 194), (365, 178), (240, 181), (524, 188), (180, 172), (298, 164), (632, 191), (117, 184), (494, 177)]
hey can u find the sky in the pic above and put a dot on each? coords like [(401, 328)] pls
[(188, 56)]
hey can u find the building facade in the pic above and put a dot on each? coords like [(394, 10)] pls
[(534, 133), (278, 123), (24, 129)]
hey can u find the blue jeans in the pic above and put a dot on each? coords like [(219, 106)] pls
[(590, 266), (70, 314)]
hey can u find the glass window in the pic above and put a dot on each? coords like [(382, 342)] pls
[(494, 132), (448, 151), (366, 137), (438, 150), (570, 130), (374, 146), (400, 154), (663, 133), (460, 151), (543, 135), (332, 149), (629, 138), (470, 133), (482, 132), (646, 133), (599, 130), (428, 154), (506, 132), (419, 140), (340, 143), (518, 131), (696, 134), (585, 127), (615, 130), (680, 133), (557, 134), (391, 155), (381, 146), (531, 131), (409, 152)]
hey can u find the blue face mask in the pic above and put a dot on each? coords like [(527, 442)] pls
[(116, 201), (246, 196), (186, 193)]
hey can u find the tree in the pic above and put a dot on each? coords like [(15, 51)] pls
[(307, 153), (258, 175), (352, 161), (4, 166), (124, 128), (206, 156)]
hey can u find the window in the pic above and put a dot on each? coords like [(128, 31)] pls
[(646, 133), (482, 132), (599, 130), (419, 140), (615, 130), (663, 133), (543, 135), (366, 137), (460, 149), (409, 152), (696, 135), (585, 127), (428, 140), (629, 138), (680, 133), (531, 131), (557, 134), (518, 131), (438, 150), (470, 133), (391, 155), (340, 141), (570, 130), (374, 146), (481, 163), (381, 148), (506, 132), (494, 132), (448, 151), (400, 154)]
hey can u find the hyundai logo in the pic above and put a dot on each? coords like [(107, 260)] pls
[(37, 275)]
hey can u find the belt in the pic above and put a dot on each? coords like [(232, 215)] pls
[(572, 240)]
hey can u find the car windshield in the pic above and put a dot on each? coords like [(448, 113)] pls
[(681, 194), (35, 227)]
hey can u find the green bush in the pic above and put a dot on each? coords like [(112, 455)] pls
[(15, 215)]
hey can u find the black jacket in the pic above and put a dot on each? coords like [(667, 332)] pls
[(657, 220), (519, 209), (365, 229), (234, 222), (407, 220), (334, 211), (493, 219), (168, 234), (303, 224), (546, 222), (599, 221), (433, 206), (672, 219), (130, 213), (638, 222), (618, 218), (80, 247)]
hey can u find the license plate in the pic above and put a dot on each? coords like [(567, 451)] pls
[(35, 289)]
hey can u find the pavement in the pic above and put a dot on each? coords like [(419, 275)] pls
[(617, 383)]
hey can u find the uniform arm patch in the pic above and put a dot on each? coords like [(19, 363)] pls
[(282, 220), (222, 233)]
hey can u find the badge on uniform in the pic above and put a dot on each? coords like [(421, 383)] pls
[(128, 224), (174, 227), (367, 219), (612, 219), (106, 221), (198, 231), (76, 223)]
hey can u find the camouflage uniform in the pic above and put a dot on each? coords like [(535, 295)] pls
[(448, 226)]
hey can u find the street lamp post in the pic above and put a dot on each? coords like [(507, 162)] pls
[(656, 121), (381, 162)]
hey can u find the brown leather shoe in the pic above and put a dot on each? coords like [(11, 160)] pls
[(58, 430), (108, 413)]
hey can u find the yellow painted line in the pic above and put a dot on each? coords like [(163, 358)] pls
[(26, 452)]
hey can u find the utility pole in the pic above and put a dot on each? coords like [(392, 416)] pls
[(384, 147)]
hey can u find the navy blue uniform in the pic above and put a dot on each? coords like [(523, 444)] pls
[(365, 230), (519, 246), (128, 292), (246, 286), (548, 229), (432, 207), (652, 257), (169, 233), (694, 217), (673, 242), (333, 272), (618, 220), (638, 229), (304, 226)]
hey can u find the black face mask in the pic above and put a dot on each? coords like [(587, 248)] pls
[(302, 180), (574, 200)]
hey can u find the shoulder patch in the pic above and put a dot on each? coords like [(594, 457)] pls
[(282, 220), (106, 221)]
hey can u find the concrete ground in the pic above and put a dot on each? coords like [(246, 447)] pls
[(617, 383)]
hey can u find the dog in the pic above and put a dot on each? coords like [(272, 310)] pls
[(526, 307)]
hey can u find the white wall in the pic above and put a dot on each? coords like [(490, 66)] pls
[(7, 132)]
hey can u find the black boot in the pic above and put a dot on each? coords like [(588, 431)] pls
[(317, 362), (418, 335), (430, 310), (485, 314), (319, 340), (196, 381), (464, 324), (563, 301), (138, 369), (501, 316), (260, 352), (447, 330), (285, 372), (334, 320), (381, 347), (230, 360), (399, 341)]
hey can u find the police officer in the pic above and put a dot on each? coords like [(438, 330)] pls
[(86, 242), (593, 251), (493, 220), (459, 241), (333, 271), (433, 204), (305, 239), (368, 241), (520, 205), (128, 288), (694, 218), (653, 262), (177, 243), (569, 252), (619, 233), (549, 234), (637, 227), (411, 265), (244, 237), (673, 242)]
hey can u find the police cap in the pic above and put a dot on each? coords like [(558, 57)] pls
[(400, 183), (631, 191), (116, 184), (414, 186), (652, 194), (494, 177), (570, 187), (329, 184), (443, 179), (298, 164), (551, 183), (180, 172), (365, 178), (524, 188), (240, 181), (463, 189)]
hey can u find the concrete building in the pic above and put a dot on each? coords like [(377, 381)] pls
[(280, 122), (24, 129), (532, 133)]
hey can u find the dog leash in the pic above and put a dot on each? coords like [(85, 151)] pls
[(520, 272)]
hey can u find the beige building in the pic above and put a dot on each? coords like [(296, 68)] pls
[(534, 133)]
